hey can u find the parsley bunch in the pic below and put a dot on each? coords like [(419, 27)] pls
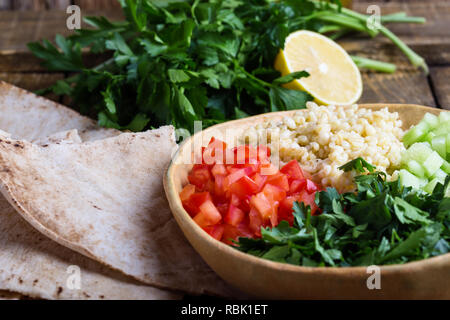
[(382, 223), (180, 61)]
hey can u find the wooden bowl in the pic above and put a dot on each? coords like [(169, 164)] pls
[(426, 279)]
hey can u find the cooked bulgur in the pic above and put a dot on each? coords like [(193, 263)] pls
[(323, 138)]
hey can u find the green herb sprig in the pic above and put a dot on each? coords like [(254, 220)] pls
[(175, 62), (381, 223)]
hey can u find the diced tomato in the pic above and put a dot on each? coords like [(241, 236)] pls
[(219, 169), (200, 166), (274, 216), (251, 168), (234, 216), (218, 185), (259, 180), (285, 209), (231, 233), (199, 177), (237, 197), (209, 186), (311, 186), (233, 177), (214, 152), (309, 199), (197, 199), (297, 186), (208, 215), (217, 144), (304, 196), (264, 153), (245, 204), (279, 180), (223, 208), (262, 205), (268, 169), (235, 201), (274, 193), (246, 154), (192, 205), (215, 231), (243, 187), (187, 192), (255, 222), (292, 170), (199, 158)]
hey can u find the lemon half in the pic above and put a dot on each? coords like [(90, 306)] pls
[(334, 77)]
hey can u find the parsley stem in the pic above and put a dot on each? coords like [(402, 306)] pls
[(413, 57), (401, 17), (329, 28), (374, 64), (346, 22), (251, 76)]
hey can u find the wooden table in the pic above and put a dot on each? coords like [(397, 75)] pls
[(407, 85)]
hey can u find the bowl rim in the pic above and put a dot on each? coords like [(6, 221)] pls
[(180, 213)]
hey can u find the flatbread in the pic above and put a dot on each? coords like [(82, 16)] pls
[(105, 200), (7, 295), (30, 263), (70, 136), (38, 267), (27, 116)]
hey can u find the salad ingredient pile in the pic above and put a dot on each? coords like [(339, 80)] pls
[(426, 162), (236, 192), (382, 223), (323, 138)]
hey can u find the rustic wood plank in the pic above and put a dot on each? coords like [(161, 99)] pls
[(437, 14), (25, 5), (98, 4), (38, 5), (20, 27), (400, 87), (441, 85), (35, 26)]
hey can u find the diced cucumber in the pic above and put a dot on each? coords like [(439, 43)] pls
[(416, 168), (440, 175), (407, 179), (431, 185), (431, 120), (419, 152), (439, 144), (428, 137), (444, 117), (448, 146), (416, 133), (446, 167), (433, 163), (443, 128)]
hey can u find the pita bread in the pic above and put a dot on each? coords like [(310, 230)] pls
[(30, 117), (37, 267), (105, 200), (70, 136), (30, 263), (6, 295)]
